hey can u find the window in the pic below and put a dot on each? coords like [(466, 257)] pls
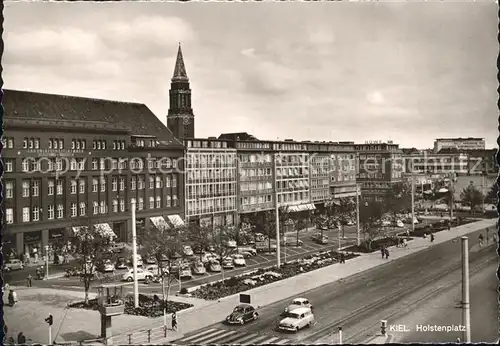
[(9, 165), (115, 206), (50, 186), (81, 184), (50, 212), (25, 165), (103, 184), (158, 182), (140, 183), (84, 143), (82, 209), (114, 184), (94, 164), (140, 205), (103, 145), (95, 185), (26, 214), (37, 143), (73, 210), (174, 181), (103, 207), (122, 205), (158, 202), (73, 187), (95, 207), (122, 184), (26, 188), (174, 201), (73, 144), (102, 164), (168, 202), (35, 188), (25, 143), (59, 187), (73, 165), (9, 189), (59, 165), (133, 183), (9, 215), (151, 182), (167, 181), (60, 211), (151, 202)]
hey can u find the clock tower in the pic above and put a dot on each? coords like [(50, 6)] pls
[(180, 118)]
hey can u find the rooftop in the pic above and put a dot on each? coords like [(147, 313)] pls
[(135, 116)]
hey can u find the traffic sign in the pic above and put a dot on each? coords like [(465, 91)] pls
[(245, 298)]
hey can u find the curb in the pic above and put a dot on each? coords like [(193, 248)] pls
[(379, 339)]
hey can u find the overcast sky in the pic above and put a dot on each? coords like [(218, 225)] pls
[(409, 72)]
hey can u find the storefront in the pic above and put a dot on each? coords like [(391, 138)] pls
[(9, 245), (120, 229), (32, 242)]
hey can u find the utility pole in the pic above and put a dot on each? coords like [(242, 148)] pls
[(465, 289), (134, 254), (340, 335), (412, 199), (452, 199), (278, 254), (46, 262), (358, 233)]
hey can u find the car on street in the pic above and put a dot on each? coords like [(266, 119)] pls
[(227, 263), (187, 250), (141, 275), (298, 303), (13, 264), (106, 266), (247, 251), (153, 268), (214, 266), (231, 244), (199, 268), (263, 246), (185, 272), (206, 257), (317, 238), (150, 260), (291, 242), (400, 224), (296, 320), (239, 260), (386, 223), (242, 314), (121, 263)]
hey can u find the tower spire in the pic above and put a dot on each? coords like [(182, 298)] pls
[(180, 70)]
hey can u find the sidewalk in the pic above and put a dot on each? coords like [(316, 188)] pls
[(193, 319)]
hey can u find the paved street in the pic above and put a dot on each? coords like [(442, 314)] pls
[(258, 261), (354, 303)]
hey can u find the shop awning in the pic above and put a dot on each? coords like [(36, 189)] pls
[(293, 208), (176, 220), (443, 190), (159, 222), (301, 207), (103, 228)]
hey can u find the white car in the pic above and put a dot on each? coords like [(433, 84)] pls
[(139, 261), (231, 244), (239, 260), (199, 268), (386, 223), (247, 251), (185, 272), (187, 250), (296, 320), (350, 223), (13, 264), (141, 275), (298, 303), (108, 267), (400, 224), (227, 263)]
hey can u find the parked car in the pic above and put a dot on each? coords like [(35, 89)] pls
[(227, 263), (210, 248), (117, 247), (153, 268), (199, 268), (298, 303), (141, 275), (139, 261), (242, 314), (239, 260), (13, 264), (291, 242), (386, 223), (214, 266), (296, 320), (121, 263), (350, 223), (186, 249), (400, 224), (317, 238), (150, 260), (185, 272), (198, 249), (259, 237), (247, 251), (231, 244), (262, 246), (107, 266)]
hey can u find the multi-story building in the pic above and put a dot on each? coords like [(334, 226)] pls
[(469, 143), (69, 161), (210, 171), (380, 165)]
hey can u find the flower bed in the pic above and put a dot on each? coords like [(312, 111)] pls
[(265, 276), (436, 227), (376, 244), (148, 306)]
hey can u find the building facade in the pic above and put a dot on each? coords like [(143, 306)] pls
[(380, 166), (71, 161), (469, 143)]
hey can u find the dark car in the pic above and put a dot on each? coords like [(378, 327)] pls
[(197, 249), (242, 314)]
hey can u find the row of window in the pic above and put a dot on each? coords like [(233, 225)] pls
[(206, 144), (217, 174), (78, 144), (118, 205), (320, 195), (205, 206), (8, 142), (210, 160), (253, 172), (295, 197), (255, 186), (253, 158), (292, 172), (292, 184), (255, 200), (320, 183), (30, 143), (343, 177), (152, 143), (118, 145), (370, 175)]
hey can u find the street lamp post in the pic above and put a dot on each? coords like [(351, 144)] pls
[(465, 289), (358, 240), (134, 254)]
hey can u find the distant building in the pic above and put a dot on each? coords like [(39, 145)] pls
[(469, 143)]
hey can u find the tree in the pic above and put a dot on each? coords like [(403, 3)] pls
[(369, 214), (299, 224), (492, 196), (398, 199), (269, 226), (201, 235), (164, 245), (220, 235), (471, 196), (92, 245)]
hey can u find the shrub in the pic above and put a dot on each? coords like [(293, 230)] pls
[(183, 290)]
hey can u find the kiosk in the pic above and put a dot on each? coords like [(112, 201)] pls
[(110, 300)]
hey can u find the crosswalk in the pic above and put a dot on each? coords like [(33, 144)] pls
[(230, 337)]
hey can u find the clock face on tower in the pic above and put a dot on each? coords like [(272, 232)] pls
[(185, 119)]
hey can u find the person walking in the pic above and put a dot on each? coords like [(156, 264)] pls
[(174, 321), (21, 339), (481, 240), (28, 280), (382, 251), (342, 257), (487, 236), (386, 251), (405, 245), (432, 237)]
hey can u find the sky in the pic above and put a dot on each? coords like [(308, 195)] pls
[(407, 72)]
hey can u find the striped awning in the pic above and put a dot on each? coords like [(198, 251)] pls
[(301, 207), (159, 222), (104, 228), (176, 220)]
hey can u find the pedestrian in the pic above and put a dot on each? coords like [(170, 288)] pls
[(495, 237), (28, 280), (342, 257), (432, 237), (407, 232), (449, 226), (6, 287), (405, 245), (386, 250), (481, 240), (21, 339), (174, 321), (382, 251), (487, 235)]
